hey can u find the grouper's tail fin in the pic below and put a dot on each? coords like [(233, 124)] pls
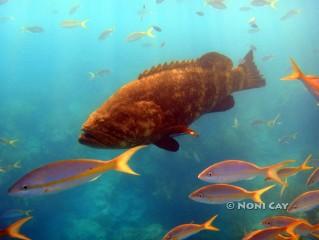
[(246, 75)]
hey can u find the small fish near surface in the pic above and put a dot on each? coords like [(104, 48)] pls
[(33, 29), (157, 28), (310, 81), (138, 35), (62, 175), (9, 142), (261, 3), (3, 1), (106, 33), (152, 109), (74, 9), (186, 230), (267, 58), (4, 19), (291, 13), (13, 230), (244, 9), (224, 193), (99, 73), (288, 138), (218, 4), (229, 171), (200, 13), (74, 23), (15, 213)]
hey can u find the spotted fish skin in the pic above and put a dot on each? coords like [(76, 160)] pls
[(167, 97)]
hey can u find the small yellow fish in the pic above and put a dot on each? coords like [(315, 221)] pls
[(260, 3), (10, 142), (138, 35), (13, 230), (224, 193), (229, 171), (186, 230), (74, 23), (61, 175), (279, 221)]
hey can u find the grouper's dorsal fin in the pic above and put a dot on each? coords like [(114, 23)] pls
[(165, 67), (211, 59)]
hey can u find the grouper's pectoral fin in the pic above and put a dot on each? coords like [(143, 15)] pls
[(224, 105), (168, 143)]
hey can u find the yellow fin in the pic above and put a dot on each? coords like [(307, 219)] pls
[(283, 187), (121, 162), (305, 166), (207, 225), (150, 32), (296, 72), (83, 24), (14, 229), (272, 171), (256, 195)]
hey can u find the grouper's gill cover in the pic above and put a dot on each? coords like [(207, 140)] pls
[(166, 99)]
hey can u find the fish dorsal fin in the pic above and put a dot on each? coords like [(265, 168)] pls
[(211, 59), (165, 67)]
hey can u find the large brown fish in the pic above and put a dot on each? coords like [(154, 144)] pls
[(166, 99)]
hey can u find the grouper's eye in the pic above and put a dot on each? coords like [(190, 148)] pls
[(24, 187)]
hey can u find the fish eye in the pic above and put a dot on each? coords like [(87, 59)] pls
[(200, 195), (210, 174), (25, 187)]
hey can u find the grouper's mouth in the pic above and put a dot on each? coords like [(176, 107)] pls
[(90, 140)]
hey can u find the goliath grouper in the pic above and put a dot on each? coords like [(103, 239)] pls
[(166, 99)]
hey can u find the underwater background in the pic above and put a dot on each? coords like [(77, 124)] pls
[(46, 94)]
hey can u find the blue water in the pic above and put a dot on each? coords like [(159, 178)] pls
[(46, 95)]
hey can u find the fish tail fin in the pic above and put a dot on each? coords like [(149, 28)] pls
[(83, 24), (273, 4), (256, 195), (296, 74), (92, 75), (14, 229), (150, 32), (290, 229), (121, 162), (272, 171), (304, 166), (283, 187), (246, 75), (208, 224)]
